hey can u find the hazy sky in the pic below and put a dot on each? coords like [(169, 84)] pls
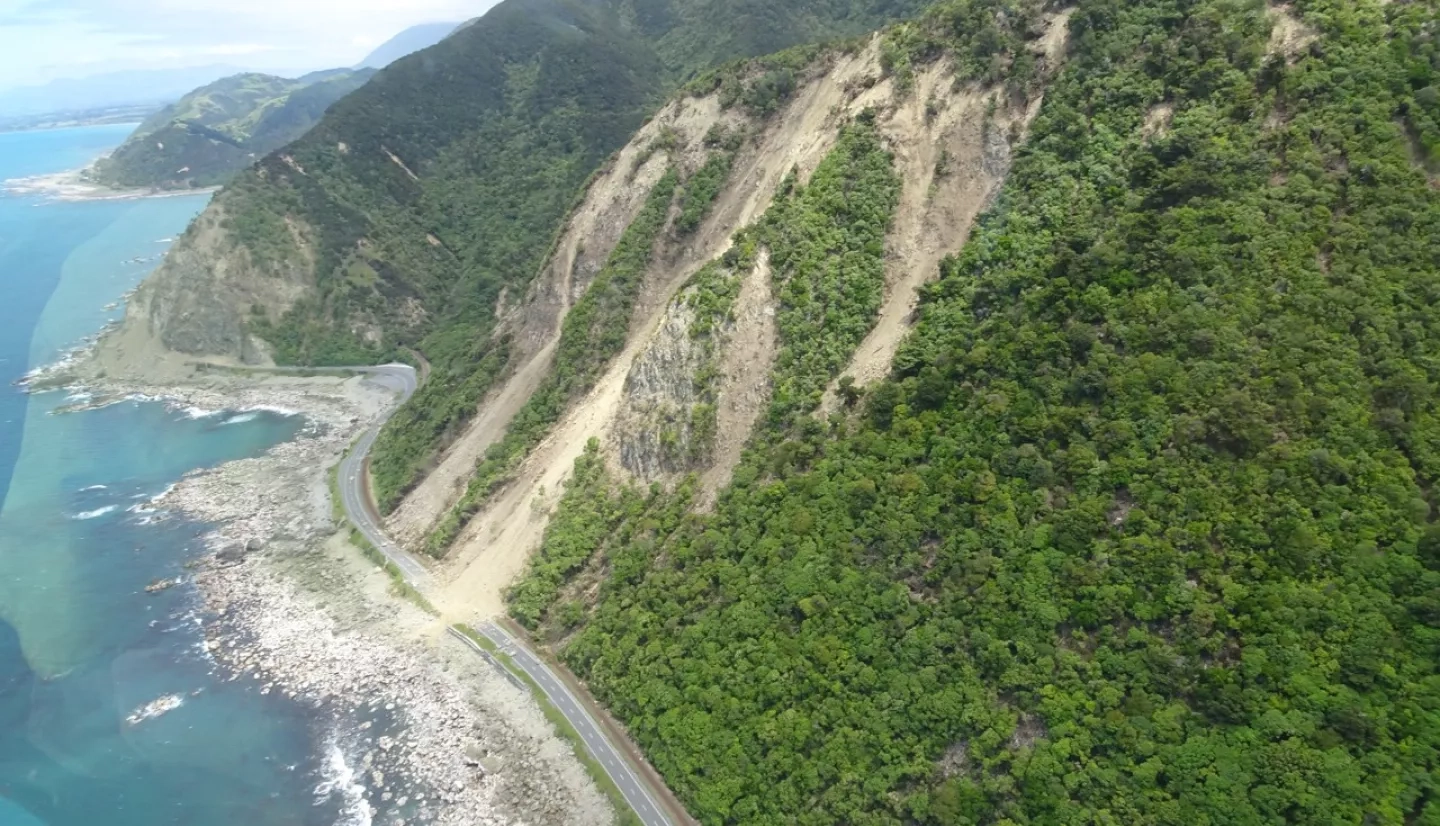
[(45, 39)]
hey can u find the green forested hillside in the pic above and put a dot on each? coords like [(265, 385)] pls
[(212, 133), (1141, 531), (445, 180)]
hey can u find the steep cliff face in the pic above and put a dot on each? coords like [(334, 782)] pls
[(952, 146), (433, 194), (658, 424)]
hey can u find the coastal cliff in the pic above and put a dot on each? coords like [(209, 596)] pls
[(196, 306)]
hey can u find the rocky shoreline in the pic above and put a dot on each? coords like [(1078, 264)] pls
[(417, 730)]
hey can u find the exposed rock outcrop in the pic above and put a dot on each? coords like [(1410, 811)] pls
[(590, 235), (660, 394)]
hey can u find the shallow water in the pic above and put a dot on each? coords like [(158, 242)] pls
[(83, 647)]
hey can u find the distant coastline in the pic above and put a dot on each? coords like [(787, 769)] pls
[(44, 125), (72, 119), (73, 185)]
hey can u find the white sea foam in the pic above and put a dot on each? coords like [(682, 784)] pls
[(44, 372), (155, 708), (95, 514), (148, 506), (242, 418), (94, 487), (339, 778), (272, 408), (199, 412)]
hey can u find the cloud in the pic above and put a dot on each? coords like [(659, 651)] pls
[(42, 39)]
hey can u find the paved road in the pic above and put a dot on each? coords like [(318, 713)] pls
[(361, 511), (488, 657), (631, 786), (356, 498)]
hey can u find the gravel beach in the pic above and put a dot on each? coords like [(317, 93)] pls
[(418, 730)]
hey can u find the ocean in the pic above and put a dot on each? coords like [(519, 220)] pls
[(85, 651)]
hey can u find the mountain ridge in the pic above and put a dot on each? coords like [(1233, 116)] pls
[(409, 227), (408, 42)]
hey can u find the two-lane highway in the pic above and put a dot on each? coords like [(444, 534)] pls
[(610, 758), (354, 493), (356, 500)]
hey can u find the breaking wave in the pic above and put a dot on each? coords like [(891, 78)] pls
[(339, 778)]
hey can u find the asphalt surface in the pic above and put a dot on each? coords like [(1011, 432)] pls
[(489, 658), (353, 495), (609, 757), (358, 507)]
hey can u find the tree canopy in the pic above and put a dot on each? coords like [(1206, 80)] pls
[(1141, 530)]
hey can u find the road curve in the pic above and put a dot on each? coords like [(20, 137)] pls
[(355, 494), (359, 508)]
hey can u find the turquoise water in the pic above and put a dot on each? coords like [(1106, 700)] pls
[(82, 646)]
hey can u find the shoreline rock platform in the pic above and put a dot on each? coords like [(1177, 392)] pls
[(429, 733)]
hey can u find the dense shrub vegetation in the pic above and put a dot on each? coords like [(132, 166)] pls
[(985, 40), (402, 453), (827, 258), (1141, 531), (502, 142), (701, 190), (590, 511)]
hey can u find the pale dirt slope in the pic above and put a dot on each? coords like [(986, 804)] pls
[(744, 377), (799, 139), (934, 219), (937, 211), (1289, 35), (611, 204), (190, 307)]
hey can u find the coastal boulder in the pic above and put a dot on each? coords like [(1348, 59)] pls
[(161, 585), (231, 553)]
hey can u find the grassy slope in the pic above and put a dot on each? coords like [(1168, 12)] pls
[(217, 130)]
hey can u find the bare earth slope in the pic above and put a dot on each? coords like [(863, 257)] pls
[(952, 161), (496, 543), (590, 235), (744, 376)]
